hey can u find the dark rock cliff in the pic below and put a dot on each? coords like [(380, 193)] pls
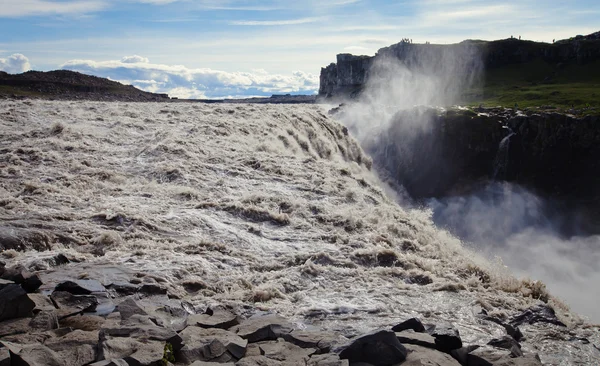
[(350, 73)]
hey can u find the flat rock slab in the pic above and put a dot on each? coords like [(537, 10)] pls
[(14, 326), (133, 351), (122, 288), (75, 348), (320, 340), (14, 303), (80, 287), (509, 343), (42, 302), (419, 339), (214, 319), (129, 307), (378, 348), (263, 328), (144, 333), (259, 361), (69, 304), (202, 344), (281, 350), (33, 355), (422, 356), (412, 324), (536, 314), (83, 322)]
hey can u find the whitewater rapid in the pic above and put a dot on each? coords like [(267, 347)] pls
[(269, 205)]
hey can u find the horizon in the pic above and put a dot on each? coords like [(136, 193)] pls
[(240, 48)]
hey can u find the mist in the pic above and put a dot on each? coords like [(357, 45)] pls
[(531, 235)]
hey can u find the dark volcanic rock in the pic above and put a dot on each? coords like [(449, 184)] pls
[(322, 341), (419, 356), (44, 320), (132, 351), (32, 355), (217, 318), (80, 287), (128, 308), (537, 314), (490, 356), (201, 344), (379, 348), (327, 359), (462, 354), (69, 304), (14, 303), (281, 350), (29, 281), (447, 338), (507, 342), (413, 323), (75, 348), (263, 328), (419, 339)]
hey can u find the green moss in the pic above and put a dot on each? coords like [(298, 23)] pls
[(168, 355)]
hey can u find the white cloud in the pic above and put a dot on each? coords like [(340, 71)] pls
[(183, 82), (275, 22), (15, 64), (135, 59), (19, 8)]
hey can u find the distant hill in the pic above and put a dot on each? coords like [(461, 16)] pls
[(70, 85), (565, 73)]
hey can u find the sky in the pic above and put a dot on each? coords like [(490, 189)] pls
[(236, 48)]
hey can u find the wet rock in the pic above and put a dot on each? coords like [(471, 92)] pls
[(129, 307), (446, 337), (488, 356), (152, 289), (83, 322), (413, 323), (536, 314), (132, 351), (32, 355), (263, 328), (511, 330), (80, 287), (4, 283), (44, 320), (281, 350), (378, 348), (422, 356), (419, 339), (328, 359), (122, 288), (201, 344), (75, 348), (14, 303), (214, 319), (69, 304), (323, 342), (2, 267), (42, 302), (507, 342), (462, 354), (18, 274)]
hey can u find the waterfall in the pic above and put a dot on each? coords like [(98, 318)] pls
[(502, 158)]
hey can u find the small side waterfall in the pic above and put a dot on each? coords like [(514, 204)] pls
[(501, 161)]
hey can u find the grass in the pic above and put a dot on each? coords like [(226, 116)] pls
[(538, 84)]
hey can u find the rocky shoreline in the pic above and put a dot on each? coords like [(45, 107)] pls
[(139, 322)]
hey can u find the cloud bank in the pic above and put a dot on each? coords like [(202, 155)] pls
[(15, 64), (180, 81)]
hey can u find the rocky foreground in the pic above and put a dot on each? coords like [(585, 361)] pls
[(86, 322)]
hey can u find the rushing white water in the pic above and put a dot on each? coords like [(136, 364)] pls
[(271, 205)]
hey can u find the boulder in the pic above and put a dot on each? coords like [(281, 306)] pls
[(379, 348), (419, 339), (218, 318), (202, 344), (129, 307), (18, 274), (133, 351), (462, 354), (80, 287), (263, 328), (144, 333), (413, 323), (69, 304), (122, 288), (14, 326), (14, 303), (32, 355), (259, 361), (281, 350), (447, 338), (152, 289), (4, 356), (42, 302), (75, 348), (422, 356), (4, 283)]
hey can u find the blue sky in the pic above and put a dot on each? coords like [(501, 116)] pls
[(220, 48)]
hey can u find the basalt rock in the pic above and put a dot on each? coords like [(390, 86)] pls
[(380, 349), (14, 303)]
